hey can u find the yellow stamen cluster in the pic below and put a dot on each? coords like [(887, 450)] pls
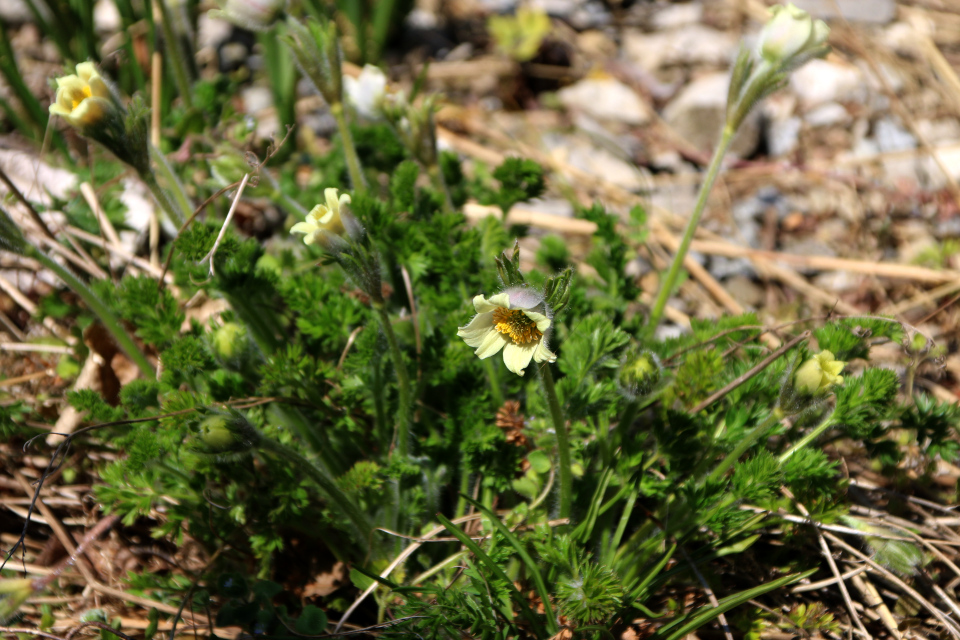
[(85, 93), (516, 324)]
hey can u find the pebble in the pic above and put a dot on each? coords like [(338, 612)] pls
[(15, 11), (819, 82), (827, 114), (783, 136), (677, 15), (891, 136), (688, 45), (867, 11), (698, 114), (745, 291), (605, 99)]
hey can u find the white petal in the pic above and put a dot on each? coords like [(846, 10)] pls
[(517, 357), (474, 332), (484, 305), (543, 354), (333, 203), (493, 341)]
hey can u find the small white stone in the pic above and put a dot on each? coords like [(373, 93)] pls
[(689, 45), (605, 99), (870, 11), (819, 81), (827, 114), (677, 15)]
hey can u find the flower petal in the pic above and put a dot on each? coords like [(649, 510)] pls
[(543, 322), (485, 305), (543, 354), (493, 341), (303, 227), (330, 195), (475, 331), (517, 357)]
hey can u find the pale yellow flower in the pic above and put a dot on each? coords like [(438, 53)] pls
[(818, 373), (508, 321), (323, 218), (82, 99), (791, 31)]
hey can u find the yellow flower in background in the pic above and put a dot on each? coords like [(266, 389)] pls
[(508, 321), (82, 99), (819, 373), (521, 35), (323, 218)]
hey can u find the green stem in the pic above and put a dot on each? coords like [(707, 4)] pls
[(403, 381), (109, 320), (807, 439), (436, 174), (350, 151), (175, 54), (495, 393), (177, 208), (347, 507), (745, 443), (563, 441), (666, 288)]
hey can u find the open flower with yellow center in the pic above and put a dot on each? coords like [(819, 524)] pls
[(83, 99), (323, 219), (508, 321), (818, 373)]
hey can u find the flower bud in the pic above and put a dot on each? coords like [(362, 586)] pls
[(221, 433), (639, 373), (818, 374), (789, 33), (229, 341)]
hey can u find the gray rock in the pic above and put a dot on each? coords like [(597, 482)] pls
[(827, 114), (690, 45), (698, 114), (605, 99), (783, 136), (677, 15), (870, 11), (891, 136), (745, 291), (593, 15), (721, 267), (819, 82), (15, 11)]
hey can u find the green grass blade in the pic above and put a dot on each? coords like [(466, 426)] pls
[(538, 582), (495, 570), (639, 590), (696, 619)]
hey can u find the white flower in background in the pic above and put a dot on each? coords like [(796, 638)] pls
[(789, 33), (508, 321), (367, 91), (323, 219)]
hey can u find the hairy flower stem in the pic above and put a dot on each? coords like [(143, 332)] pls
[(495, 393), (670, 281), (177, 207), (107, 317), (347, 507), (807, 439), (563, 441), (357, 180), (403, 381), (745, 443), (175, 54)]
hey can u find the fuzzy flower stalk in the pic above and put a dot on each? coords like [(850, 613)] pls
[(415, 124), (315, 47), (790, 38), (518, 322), (811, 383), (334, 228), (89, 103)]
